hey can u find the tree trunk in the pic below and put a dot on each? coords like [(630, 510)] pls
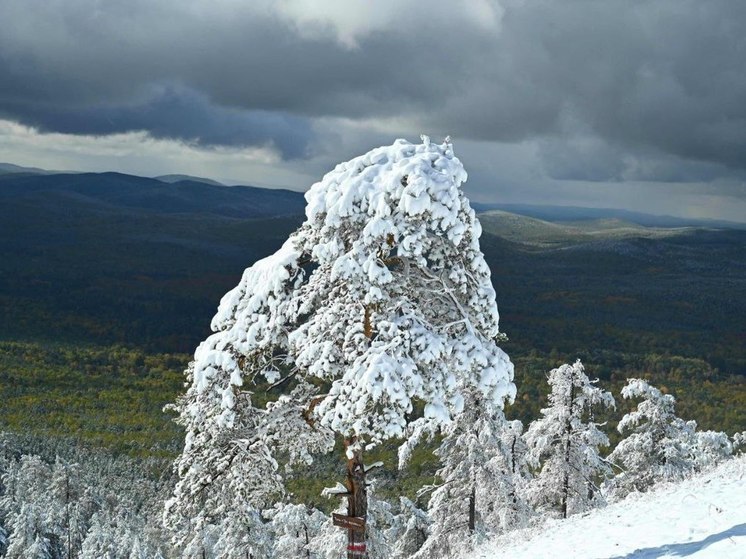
[(568, 433), (308, 540), (472, 508), (357, 501), (67, 516)]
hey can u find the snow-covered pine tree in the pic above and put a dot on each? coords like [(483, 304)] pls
[(329, 541), (409, 530), (294, 527), (383, 294), (711, 448), (71, 505), (30, 534), (228, 475), (100, 542), (511, 466), (59, 506), (378, 525), (118, 533), (659, 445), (29, 512), (476, 489), (563, 444), (739, 442)]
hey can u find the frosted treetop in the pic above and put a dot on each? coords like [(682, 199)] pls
[(383, 291)]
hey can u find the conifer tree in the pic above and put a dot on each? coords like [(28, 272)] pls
[(409, 531), (739, 442), (563, 444), (382, 294), (329, 541), (28, 510), (659, 446), (711, 448), (71, 506), (293, 529), (379, 522), (477, 485)]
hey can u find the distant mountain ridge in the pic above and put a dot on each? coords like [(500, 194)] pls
[(577, 213), (180, 178), (538, 233), (7, 168), (179, 193), (116, 192)]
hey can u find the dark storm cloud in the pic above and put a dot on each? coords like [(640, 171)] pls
[(657, 78), (170, 113)]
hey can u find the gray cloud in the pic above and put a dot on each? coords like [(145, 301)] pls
[(647, 89), (174, 112)]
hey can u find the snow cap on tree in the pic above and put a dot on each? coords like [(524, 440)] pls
[(383, 291)]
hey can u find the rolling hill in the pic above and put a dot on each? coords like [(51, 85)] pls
[(94, 266)]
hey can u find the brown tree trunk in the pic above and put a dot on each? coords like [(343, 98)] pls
[(357, 501)]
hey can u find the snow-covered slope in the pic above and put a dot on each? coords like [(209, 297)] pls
[(701, 517)]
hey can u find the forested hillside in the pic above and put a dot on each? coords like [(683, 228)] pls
[(108, 289), (108, 283)]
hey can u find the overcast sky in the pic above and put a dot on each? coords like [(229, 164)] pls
[(620, 103)]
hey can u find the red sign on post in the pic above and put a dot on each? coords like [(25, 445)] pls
[(357, 549), (353, 523)]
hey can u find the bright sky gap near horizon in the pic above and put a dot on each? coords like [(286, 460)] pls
[(628, 104)]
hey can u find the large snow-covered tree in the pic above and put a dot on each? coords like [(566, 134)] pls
[(381, 299), (659, 446), (564, 443)]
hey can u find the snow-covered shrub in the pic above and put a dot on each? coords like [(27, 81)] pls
[(563, 444), (659, 446), (739, 442), (711, 448)]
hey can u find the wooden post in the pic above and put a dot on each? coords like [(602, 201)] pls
[(357, 500)]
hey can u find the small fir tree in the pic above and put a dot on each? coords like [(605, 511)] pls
[(409, 530), (563, 444), (658, 447), (711, 448), (477, 484), (739, 442), (294, 527)]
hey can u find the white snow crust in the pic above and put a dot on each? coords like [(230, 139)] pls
[(701, 517)]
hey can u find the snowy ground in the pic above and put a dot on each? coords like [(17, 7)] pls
[(700, 517)]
